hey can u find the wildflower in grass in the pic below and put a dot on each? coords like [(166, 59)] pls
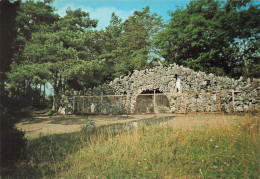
[(221, 169), (192, 162), (216, 146), (228, 165), (211, 140)]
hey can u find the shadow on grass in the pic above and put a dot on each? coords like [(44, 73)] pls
[(71, 119), (42, 152), (119, 127), (59, 119)]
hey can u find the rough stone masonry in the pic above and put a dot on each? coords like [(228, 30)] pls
[(180, 89)]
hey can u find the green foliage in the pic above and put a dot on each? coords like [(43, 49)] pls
[(53, 50), (12, 144), (12, 141), (136, 40), (67, 53), (208, 36), (128, 44), (32, 16), (8, 35)]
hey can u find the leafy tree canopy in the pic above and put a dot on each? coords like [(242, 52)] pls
[(208, 34)]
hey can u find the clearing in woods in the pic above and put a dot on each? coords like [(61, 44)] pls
[(41, 125)]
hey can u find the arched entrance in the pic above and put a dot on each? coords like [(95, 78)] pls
[(147, 99)]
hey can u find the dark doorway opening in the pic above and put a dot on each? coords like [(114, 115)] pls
[(145, 102)]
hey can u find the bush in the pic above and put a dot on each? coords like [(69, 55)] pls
[(12, 141), (12, 144)]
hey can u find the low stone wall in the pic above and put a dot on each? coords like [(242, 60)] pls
[(178, 84)]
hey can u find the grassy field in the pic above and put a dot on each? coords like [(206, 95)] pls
[(222, 150)]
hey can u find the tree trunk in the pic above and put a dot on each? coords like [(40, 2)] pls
[(55, 100), (24, 86), (44, 90), (55, 93), (246, 67), (64, 87), (60, 84)]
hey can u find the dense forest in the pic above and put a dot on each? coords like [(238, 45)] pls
[(39, 47)]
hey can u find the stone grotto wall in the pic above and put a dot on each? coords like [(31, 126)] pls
[(177, 83)]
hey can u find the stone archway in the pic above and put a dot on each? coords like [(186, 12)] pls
[(145, 102)]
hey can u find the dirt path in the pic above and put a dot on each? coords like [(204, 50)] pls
[(44, 125)]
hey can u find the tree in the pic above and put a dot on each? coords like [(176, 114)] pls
[(31, 17), (8, 12), (122, 46), (12, 141), (247, 47), (110, 38), (52, 53), (204, 35), (132, 41)]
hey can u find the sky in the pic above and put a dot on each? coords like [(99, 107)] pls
[(102, 9)]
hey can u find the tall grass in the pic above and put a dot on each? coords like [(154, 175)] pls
[(219, 151)]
